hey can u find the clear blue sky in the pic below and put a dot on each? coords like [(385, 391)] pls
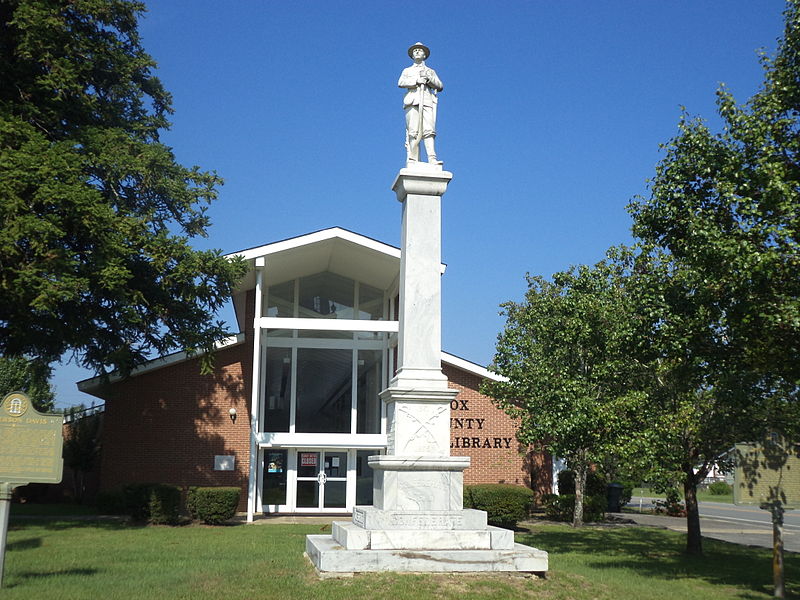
[(550, 120)]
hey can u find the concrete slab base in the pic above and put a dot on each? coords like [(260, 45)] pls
[(327, 555)]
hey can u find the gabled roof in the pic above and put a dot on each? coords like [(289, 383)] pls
[(335, 249), (315, 237)]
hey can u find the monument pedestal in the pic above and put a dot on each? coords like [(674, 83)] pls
[(417, 521)]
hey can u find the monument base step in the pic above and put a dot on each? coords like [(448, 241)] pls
[(352, 537), (328, 556)]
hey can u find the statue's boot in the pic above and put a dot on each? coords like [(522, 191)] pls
[(431, 151), (412, 149)]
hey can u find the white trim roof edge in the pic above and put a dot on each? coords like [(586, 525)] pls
[(320, 236), (471, 367), (87, 385), (317, 236)]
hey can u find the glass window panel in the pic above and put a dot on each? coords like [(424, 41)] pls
[(364, 476), (368, 418), (371, 336), (277, 389), (313, 333), (307, 494), (281, 333), (370, 303), (324, 390), (336, 464), (326, 295), (307, 464), (274, 491), (335, 494), (280, 300)]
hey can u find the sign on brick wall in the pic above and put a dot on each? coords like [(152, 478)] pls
[(471, 432)]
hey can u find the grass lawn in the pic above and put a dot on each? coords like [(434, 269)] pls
[(59, 559), (51, 510)]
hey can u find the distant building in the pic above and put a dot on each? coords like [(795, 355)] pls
[(318, 316)]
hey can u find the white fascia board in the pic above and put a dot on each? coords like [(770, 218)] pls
[(320, 440), (320, 236), (471, 367), (87, 385), (327, 324)]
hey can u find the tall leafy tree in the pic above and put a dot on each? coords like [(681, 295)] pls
[(563, 352), (724, 210), (82, 442), (693, 413), (96, 215), (18, 374), (726, 207)]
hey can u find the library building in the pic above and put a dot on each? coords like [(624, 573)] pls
[(293, 408)]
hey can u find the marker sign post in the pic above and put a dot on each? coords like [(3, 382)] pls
[(30, 452), (768, 475)]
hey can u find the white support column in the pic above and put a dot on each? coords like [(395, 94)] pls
[(256, 390), (419, 356), (417, 521)]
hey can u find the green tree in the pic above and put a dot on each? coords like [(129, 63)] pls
[(568, 375), (723, 218), (96, 215), (81, 444), (33, 378), (697, 406)]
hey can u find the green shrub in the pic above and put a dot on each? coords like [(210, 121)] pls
[(136, 497), (504, 504), (155, 502), (213, 505), (164, 504), (720, 488), (111, 502), (596, 484), (562, 507), (627, 491), (672, 505), (191, 507)]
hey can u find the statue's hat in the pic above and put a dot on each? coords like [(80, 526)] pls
[(425, 49)]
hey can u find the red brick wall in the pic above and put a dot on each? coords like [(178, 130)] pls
[(167, 425), (487, 435)]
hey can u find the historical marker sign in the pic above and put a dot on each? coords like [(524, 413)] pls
[(30, 443), (30, 452)]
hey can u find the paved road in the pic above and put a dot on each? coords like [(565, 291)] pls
[(747, 525)]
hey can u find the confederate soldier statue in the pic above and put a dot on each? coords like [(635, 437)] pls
[(422, 84)]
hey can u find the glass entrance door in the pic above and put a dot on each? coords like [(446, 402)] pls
[(321, 480)]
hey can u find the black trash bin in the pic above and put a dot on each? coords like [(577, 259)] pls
[(615, 497)]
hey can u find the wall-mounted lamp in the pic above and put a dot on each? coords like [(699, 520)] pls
[(232, 414)]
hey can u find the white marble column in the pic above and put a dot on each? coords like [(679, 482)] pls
[(419, 360), (417, 521), (417, 471)]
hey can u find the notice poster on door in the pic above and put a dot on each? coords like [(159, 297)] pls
[(308, 459)]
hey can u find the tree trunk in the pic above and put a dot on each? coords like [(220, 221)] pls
[(694, 541), (580, 488), (778, 577)]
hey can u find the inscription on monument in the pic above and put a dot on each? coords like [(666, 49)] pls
[(426, 521)]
